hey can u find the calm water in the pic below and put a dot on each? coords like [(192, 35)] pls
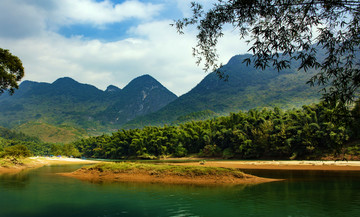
[(41, 192)]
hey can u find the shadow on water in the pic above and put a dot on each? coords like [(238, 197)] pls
[(14, 181), (22, 179), (304, 193), (305, 175)]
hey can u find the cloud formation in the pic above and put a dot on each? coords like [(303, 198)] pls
[(149, 46), (105, 12)]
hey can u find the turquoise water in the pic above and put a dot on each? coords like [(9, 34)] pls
[(42, 192)]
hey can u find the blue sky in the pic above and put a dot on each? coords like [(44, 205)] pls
[(103, 42)]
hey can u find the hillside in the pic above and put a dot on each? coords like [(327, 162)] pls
[(141, 96), (245, 88), (67, 102), (50, 133), (144, 101)]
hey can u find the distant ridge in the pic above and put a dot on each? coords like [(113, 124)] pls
[(145, 101), (246, 88), (66, 101)]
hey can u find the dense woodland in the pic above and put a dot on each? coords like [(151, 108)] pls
[(20, 145), (307, 133)]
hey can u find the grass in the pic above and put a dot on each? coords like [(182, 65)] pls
[(165, 169), (9, 162), (51, 133)]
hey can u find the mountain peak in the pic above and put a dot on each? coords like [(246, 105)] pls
[(143, 78), (143, 82), (112, 89), (65, 80)]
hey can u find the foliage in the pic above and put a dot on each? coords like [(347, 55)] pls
[(196, 116), (10, 139), (16, 151), (66, 110), (68, 150), (310, 132), (246, 88), (11, 71), (63, 133), (10, 134), (281, 30)]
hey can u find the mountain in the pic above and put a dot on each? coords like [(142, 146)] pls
[(141, 96), (70, 106), (245, 88), (112, 89), (67, 102)]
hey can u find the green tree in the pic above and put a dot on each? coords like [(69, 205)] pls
[(16, 151), (280, 31), (11, 71)]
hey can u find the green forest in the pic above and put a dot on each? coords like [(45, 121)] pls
[(312, 132), (309, 133), (17, 144)]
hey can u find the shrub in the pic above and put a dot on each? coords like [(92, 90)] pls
[(16, 151)]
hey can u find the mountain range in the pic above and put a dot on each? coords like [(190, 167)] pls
[(68, 103), (245, 88), (83, 109)]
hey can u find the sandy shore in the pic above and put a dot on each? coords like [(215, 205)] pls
[(284, 165), (62, 160), (36, 162), (96, 176)]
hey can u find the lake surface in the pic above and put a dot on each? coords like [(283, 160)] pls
[(43, 193)]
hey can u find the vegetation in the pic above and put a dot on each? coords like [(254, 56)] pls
[(163, 169), (11, 71), (12, 135), (310, 132), (59, 111), (281, 30), (63, 133), (16, 151), (20, 145), (13, 155), (246, 88)]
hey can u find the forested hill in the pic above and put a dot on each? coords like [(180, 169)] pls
[(246, 88), (311, 132), (68, 102), (141, 96)]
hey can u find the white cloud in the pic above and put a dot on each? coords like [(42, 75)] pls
[(19, 21), (22, 18), (100, 13), (154, 46), (161, 53)]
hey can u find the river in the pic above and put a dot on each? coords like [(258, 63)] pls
[(43, 193)]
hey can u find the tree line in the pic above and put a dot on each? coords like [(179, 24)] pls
[(17, 144), (307, 133)]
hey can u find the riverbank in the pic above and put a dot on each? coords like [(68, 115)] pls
[(281, 165), (165, 173), (11, 166)]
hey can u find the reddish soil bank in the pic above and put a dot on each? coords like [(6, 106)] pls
[(96, 176)]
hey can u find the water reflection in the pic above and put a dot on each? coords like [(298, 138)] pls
[(304, 175), (14, 181), (303, 194)]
